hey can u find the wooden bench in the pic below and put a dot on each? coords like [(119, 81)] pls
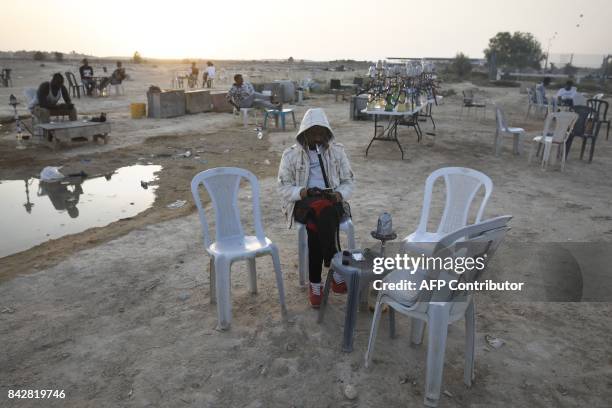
[(69, 132)]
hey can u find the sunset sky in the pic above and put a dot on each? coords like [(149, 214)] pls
[(315, 29)]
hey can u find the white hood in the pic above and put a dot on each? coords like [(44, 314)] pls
[(313, 117)]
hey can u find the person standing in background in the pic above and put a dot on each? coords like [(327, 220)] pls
[(209, 74)]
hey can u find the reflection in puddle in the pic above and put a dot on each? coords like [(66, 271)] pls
[(32, 212)]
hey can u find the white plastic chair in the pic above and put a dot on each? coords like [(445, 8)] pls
[(119, 89), (244, 113), (441, 307), (231, 243), (536, 100), (598, 96), (346, 226), (564, 123), (462, 184), (504, 129)]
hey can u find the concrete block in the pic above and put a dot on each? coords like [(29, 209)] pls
[(220, 103), (166, 104), (198, 101)]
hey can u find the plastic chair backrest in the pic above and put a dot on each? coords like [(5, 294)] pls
[(468, 96), (539, 98), (222, 185), (71, 79), (599, 108), (564, 123), (477, 241), (462, 184), (502, 125), (530, 95), (580, 125)]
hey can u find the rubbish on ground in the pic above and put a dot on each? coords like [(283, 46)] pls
[(562, 390), (8, 310), (448, 394), (176, 204), (350, 392), (187, 154), (51, 173), (267, 161), (494, 341)]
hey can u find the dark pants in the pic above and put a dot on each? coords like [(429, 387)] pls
[(315, 257), (89, 85)]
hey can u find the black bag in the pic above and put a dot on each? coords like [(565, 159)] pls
[(303, 213), (342, 207)]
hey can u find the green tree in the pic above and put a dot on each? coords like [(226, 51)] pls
[(290, 60), (137, 58), (461, 65), (59, 57), (39, 56), (518, 50)]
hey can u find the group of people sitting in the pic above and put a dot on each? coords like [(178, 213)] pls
[(88, 79), (207, 77), (53, 98), (564, 96)]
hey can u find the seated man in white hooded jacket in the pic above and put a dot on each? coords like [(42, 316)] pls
[(302, 180)]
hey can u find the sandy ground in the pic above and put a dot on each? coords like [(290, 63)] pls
[(120, 316)]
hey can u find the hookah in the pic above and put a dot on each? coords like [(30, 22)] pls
[(20, 136)]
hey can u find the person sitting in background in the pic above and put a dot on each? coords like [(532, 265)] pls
[(87, 74), (209, 75), (116, 77), (313, 176), (566, 95), (243, 95), (193, 76), (47, 100), (541, 89)]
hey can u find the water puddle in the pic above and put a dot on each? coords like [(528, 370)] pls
[(32, 212)]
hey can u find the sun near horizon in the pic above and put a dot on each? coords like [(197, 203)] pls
[(317, 29)]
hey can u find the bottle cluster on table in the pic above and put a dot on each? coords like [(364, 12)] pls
[(399, 90)]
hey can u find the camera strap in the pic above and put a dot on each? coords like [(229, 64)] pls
[(323, 169), (338, 246)]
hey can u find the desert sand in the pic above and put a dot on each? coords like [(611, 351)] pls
[(119, 316)]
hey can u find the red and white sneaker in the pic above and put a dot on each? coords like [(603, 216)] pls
[(314, 294), (338, 284)]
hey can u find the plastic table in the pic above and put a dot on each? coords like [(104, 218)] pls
[(358, 276), (279, 113), (389, 133)]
